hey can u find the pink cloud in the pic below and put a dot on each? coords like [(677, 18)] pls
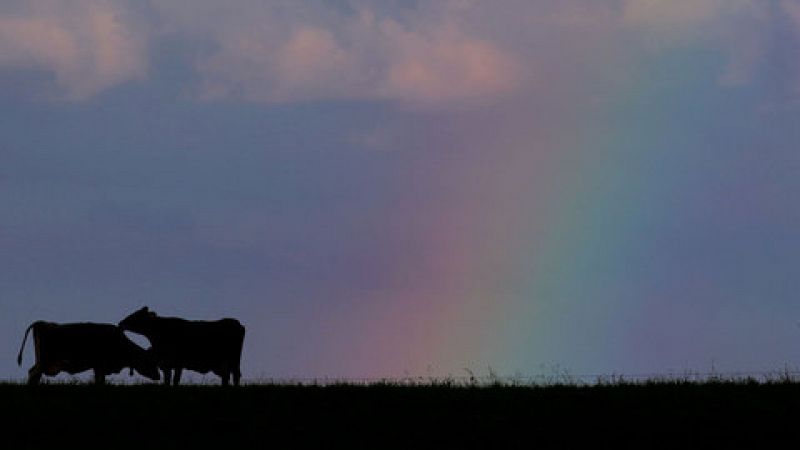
[(432, 54), (733, 26), (308, 55), (675, 13), (446, 66), (793, 9), (37, 42), (358, 56), (87, 45)]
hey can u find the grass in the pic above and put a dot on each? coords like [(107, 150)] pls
[(649, 413)]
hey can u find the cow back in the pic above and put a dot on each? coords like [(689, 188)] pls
[(197, 344), (76, 347)]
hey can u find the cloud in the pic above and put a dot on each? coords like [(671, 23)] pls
[(679, 13), (88, 45), (792, 8), (308, 64), (792, 11), (358, 56), (426, 53), (733, 26), (445, 66), (452, 51)]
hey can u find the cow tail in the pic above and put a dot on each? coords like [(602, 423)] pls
[(21, 347)]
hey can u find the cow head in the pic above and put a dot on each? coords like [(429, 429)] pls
[(139, 321), (146, 365)]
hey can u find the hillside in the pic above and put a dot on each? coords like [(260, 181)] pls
[(659, 415)]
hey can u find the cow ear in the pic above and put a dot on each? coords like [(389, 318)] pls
[(145, 309)]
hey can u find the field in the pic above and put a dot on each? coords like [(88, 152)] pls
[(440, 415)]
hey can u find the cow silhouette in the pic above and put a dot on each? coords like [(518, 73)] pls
[(198, 345), (77, 347)]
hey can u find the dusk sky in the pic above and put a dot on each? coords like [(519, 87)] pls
[(399, 188)]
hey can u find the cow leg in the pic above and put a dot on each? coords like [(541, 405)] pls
[(34, 375), (167, 375), (237, 375), (99, 377), (225, 375), (177, 379)]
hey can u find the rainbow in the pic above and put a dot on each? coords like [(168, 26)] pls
[(544, 251)]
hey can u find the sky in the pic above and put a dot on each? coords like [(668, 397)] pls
[(410, 187)]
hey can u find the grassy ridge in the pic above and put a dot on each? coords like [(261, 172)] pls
[(652, 415)]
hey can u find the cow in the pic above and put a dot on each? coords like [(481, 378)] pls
[(198, 345), (77, 347)]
